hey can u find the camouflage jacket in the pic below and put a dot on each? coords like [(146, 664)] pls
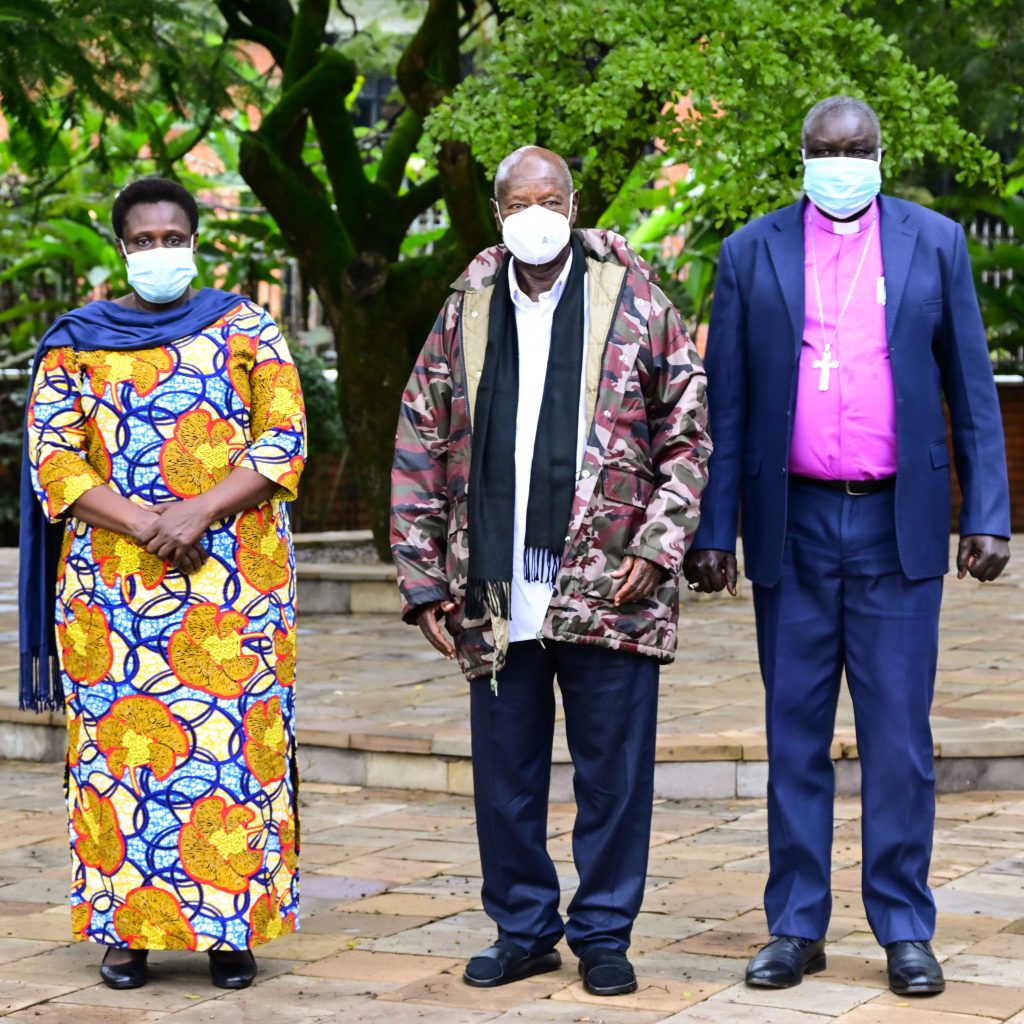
[(639, 485)]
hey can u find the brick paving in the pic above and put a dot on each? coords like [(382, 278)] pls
[(391, 877), (373, 687), (378, 706), (391, 910)]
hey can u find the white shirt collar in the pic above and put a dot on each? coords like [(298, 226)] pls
[(549, 298)]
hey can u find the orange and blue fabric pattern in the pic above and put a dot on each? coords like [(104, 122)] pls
[(179, 687)]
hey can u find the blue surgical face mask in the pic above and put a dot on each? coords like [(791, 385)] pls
[(842, 185), (161, 274)]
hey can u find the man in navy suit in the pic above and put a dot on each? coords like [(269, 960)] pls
[(839, 324)]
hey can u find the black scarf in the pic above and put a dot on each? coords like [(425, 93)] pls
[(492, 468)]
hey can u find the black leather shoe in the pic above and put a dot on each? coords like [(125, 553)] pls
[(231, 971), (133, 974), (607, 972), (505, 961), (784, 961), (913, 969)]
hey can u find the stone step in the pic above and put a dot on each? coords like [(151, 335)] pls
[(684, 770), (346, 589)]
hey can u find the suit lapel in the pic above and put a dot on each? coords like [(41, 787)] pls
[(898, 240), (786, 249)]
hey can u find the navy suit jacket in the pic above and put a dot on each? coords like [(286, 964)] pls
[(936, 347)]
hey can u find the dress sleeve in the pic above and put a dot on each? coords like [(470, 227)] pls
[(58, 435), (277, 449)]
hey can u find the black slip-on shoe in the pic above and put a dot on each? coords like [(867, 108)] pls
[(783, 962), (133, 974), (231, 971), (505, 962), (607, 972), (913, 969)]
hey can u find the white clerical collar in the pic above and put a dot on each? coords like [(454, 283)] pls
[(844, 227), (523, 301)]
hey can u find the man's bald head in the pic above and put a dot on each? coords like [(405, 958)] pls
[(532, 163), (532, 176), (834, 109)]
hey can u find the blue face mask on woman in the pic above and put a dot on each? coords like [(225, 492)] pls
[(842, 185), (161, 274)]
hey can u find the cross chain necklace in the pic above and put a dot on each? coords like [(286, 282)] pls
[(826, 363)]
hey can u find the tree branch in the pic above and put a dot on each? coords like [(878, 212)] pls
[(267, 22), (328, 74), (427, 72), (410, 205), (303, 214), (400, 146), (465, 195), (320, 93), (307, 38)]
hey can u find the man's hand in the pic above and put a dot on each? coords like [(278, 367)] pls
[(709, 571), (176, 531), (983, 556), (642, 576), (427, 619)]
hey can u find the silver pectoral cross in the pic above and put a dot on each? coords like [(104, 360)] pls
[(826, 364)]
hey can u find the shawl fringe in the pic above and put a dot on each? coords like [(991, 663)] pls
[(40, 687)]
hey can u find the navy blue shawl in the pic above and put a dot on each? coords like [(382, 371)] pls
[(98, 325)]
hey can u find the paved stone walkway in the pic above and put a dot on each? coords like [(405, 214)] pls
[(379, 707), (391, 910), (391, 878), (373, 686)]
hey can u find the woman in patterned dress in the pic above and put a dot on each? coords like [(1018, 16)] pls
[(165, 429)]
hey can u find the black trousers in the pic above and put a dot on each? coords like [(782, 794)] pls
[(611, 701)]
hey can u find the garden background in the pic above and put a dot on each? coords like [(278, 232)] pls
[(342, 154)]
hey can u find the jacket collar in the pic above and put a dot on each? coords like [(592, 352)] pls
[(786, 249)]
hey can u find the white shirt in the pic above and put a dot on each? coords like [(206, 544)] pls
[(533, 326)]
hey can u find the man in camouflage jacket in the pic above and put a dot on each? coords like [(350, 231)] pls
[(634, 511)]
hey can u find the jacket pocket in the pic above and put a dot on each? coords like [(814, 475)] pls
[(939, 455), (614, 517), (930, 306), (629, 488)]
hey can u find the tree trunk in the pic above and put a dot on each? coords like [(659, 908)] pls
[(383, 318)]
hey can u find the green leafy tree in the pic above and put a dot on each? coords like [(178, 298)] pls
[(60, 58), (94, 93), (979, 44), (724, 85)]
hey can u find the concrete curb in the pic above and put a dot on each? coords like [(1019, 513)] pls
[(444, 765)]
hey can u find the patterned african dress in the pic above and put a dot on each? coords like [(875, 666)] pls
[(179, 688)]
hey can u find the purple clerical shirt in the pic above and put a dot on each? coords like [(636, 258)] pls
[(847, 432)]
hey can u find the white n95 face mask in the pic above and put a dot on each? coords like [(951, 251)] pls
[(842, 185), (161, 274), (535, 235)]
